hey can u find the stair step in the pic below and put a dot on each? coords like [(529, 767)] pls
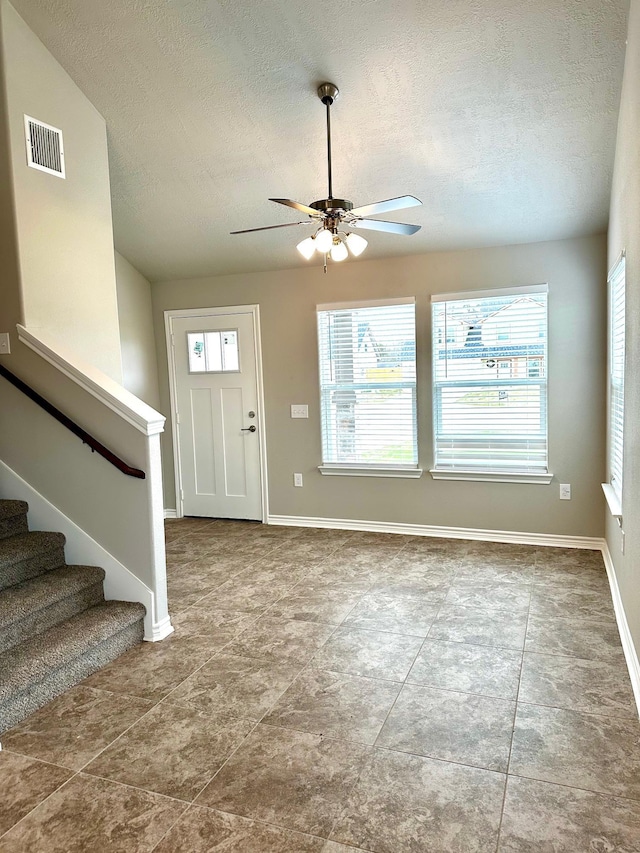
[(28, 555), (39, 669), (13, 518), (30, 607)]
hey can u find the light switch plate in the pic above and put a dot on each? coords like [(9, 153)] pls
[(299, 410), (5, 344)]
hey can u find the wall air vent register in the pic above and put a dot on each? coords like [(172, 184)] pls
[(44, 147)]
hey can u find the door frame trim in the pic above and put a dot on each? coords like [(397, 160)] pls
[(214, 311)]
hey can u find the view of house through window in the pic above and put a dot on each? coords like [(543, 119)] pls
[(368, 383), (490, 380)]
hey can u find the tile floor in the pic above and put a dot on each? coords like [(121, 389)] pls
[(326, 691)]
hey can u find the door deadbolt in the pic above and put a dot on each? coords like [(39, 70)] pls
[(252, 428), (252, 414)]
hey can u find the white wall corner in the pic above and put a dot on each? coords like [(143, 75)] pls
[(81, 549), (630, 651)]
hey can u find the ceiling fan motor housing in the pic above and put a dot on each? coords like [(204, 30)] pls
[(336, 206)]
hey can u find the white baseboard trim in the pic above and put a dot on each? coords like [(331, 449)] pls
[(630, 653), (159, 631), (81, 549), (170, 513), (549, 539)]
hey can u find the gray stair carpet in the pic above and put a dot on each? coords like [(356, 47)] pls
[(55, 626), (13, 518)]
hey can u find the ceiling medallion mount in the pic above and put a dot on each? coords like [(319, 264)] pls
[(333, 215)]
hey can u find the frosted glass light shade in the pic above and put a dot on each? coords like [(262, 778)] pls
[(324, 241), (307, 247), (338, 251), (356, 244)]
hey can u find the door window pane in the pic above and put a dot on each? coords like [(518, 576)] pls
[(213, 352)]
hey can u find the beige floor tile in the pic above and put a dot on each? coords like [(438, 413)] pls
[(290, 779), (242, 685), (75, 727), (544, 818), (461, 727), (173, 751), (24, 783), (202, 830), (371, 654), (411, 614), (587, 751), (151, 670), (414, 804), (580, 638), (579, 685), (468, 669), (335, 705), (281, 639), (477, 626), (97, 815)]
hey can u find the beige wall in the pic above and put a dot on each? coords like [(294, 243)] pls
[(576, 273), (139, 364), (624, 233), (64, 230)]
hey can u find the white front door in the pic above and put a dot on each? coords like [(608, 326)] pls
[(217, 419)]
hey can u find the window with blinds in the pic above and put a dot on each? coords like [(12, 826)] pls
[(367, 356), (616, 374), (490, 381)]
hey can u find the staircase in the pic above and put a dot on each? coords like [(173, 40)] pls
[(55, 626)]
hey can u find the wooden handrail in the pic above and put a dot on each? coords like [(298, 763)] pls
[(82, 434)]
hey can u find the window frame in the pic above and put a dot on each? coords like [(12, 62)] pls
[(367, 469), (487, 473), (616, 353)]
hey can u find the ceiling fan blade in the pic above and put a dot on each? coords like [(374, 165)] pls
[(381, 225), (296, 205), (385, 206), (269, 227)]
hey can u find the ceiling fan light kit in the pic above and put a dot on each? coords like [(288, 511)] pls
[(331, 215)]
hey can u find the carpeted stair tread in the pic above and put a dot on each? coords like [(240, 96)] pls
[(33, 660), (37, 670), (29, 554), (30, 607), (13, 518), (10, 508)]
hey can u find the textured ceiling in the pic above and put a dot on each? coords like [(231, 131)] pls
[(500, 116)]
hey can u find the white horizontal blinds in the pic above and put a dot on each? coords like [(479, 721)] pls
[(368, 383), (490, 381), (616, 378)]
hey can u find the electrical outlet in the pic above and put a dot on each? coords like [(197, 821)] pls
[(565, 491), (299, 410), (5, 344), (297, 480)]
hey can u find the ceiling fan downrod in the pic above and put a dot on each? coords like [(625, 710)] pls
[(327, 93)]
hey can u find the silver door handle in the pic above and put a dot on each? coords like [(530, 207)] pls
[(252, 428)]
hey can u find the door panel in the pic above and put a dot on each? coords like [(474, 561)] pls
[(203, 441), (216, 390)]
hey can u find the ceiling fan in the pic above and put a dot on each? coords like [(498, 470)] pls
[(335, 216)]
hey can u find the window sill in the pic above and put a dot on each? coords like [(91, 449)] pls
[(369, 471), (492, 476), (613, 501)]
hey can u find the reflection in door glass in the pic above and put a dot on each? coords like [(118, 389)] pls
[(197, 362), (213, 352), (230, 350)]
